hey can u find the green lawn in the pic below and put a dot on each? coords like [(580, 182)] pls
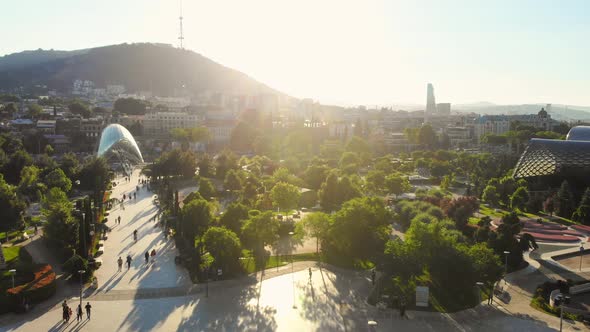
[(11, 253), (473, 221), (488, 211)]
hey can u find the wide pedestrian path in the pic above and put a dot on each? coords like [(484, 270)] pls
[(137, 214)]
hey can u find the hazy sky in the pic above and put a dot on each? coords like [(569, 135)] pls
[(346, 52)]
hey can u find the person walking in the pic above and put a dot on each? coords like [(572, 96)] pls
[(153, 254), (64, 309), (309, 269), (135, 235), (79, 313), (120, 263), (147, 257), (88, 307), (128, 262), (69, 314)]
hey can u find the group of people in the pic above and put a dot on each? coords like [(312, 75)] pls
[(120, 262), (148, 254), (67, 311)]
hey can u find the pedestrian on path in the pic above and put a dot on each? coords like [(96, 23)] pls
[(373, 275), (88, 307), (69, 314), (153, 254), (309, 269), (147, 257), (135, 235), (128, 262), (120, 263), (64, 309), (79, 313)]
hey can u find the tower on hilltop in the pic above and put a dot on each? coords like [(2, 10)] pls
[(430, 101), (181, 37)]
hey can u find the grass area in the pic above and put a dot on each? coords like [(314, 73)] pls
[(11, 253), (473, 221), (274, 261), (491, 212)]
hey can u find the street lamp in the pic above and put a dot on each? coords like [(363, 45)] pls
[(292, 274), (207, 282), (81, 273), (479, 285), (12, 273), (506, 262), (581, 255)]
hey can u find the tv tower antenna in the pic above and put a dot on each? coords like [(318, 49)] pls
[(181, 38)]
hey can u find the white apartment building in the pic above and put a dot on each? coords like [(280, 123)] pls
[(160, 123)]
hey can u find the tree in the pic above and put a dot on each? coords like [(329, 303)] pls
[(315, 224), (34, 111), (130, 106), (77, 107), (427, 136), (57, 178), (225, 247), (490, 195), (30, 185), (206, 188), (519, 198), (225, 162), (205, 166), (375, 181), (582, 213), (13, 168), (259, 231), (397, 184), (234, 216), (196, 218), (460, 209), (11, 207), (565, 199), (315, 175), (549, 205), (285, 196), (70, 165), (232, 181), (359, 229), (61, 228)]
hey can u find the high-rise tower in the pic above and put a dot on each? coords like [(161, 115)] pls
[(430, 102)]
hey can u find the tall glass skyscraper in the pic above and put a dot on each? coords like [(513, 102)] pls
[(430, 102)]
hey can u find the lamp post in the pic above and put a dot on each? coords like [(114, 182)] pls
[(292, 274), (12, 273), (506, 263), (581, 255), (81, 273), (207, 282), (479, 285)]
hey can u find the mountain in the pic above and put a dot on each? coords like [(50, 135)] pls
[(159, 68)]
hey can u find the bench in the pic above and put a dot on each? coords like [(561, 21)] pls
[(100, 249)]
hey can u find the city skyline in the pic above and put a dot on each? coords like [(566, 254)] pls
[(370, 53)]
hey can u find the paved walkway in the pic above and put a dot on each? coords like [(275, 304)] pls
[(138, 214)]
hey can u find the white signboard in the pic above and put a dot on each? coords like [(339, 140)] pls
[(422, 294)]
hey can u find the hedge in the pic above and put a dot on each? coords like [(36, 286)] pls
[(41, 288)]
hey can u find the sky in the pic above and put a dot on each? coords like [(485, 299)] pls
[(346, 52)]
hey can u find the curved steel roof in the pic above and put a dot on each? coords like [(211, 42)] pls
[(579, 133), (544, 157), (116, 140)]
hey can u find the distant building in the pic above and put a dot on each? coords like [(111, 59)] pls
[(160, 123), (491, 124), (459, 136), (91, 128), (46, 126), (430, 101), (443, 108)]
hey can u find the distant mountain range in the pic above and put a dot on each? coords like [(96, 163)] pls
[(557, 111), (159, 68)]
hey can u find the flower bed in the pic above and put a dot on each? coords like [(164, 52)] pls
[(41, 288)]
